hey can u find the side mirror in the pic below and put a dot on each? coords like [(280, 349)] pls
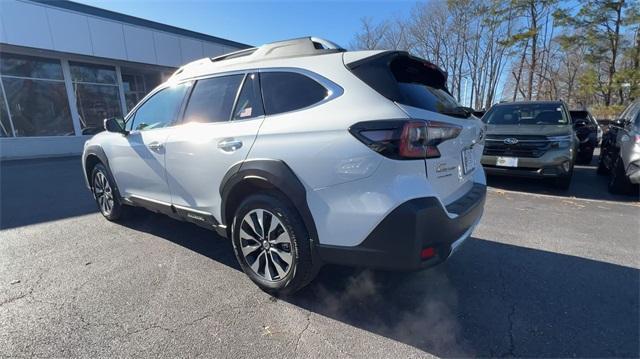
[(113, 125)]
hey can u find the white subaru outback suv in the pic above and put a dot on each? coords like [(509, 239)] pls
[(302, 154)]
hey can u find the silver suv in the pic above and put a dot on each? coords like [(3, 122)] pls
[(620, 154)]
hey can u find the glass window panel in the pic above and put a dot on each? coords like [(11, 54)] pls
[(81, 72), (288, 91), (30, 66), (138, 85), (132, 99), (132, 83), (38, 107), (212, 99), (152, 81), (249, 102), (95, 103), (5, 125), (160, 110)]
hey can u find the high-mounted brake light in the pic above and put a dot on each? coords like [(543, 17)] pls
[(405, 139)]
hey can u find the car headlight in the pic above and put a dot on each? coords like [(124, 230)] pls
[(560, 141)]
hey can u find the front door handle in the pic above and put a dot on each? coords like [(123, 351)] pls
[(229, 144), (156, 146)]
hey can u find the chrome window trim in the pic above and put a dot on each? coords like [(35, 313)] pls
[(235, 99), (495, 140)]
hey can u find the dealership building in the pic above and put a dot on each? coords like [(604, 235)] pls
[(65, 67)]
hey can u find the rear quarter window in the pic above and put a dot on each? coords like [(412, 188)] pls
[(289, 91)]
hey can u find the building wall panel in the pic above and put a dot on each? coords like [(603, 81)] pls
[(26, 24), (37, 147), (191, 49), (140, 45), (3, 36), (107, 38), (213, 50), (168, 51), (70, 32)]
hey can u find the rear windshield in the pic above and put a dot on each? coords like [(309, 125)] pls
[(526, 114), (408, 80)]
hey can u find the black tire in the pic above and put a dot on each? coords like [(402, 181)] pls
[(99, 177), (618, 182), (302, 268), (563, 182), (585, 158)]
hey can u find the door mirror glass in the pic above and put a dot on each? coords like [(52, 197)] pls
[(113, 124)]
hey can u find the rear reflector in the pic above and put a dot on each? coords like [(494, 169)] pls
[(427, 253)]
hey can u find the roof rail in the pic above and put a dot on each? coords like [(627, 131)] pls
[(235, 54), (303, 46)]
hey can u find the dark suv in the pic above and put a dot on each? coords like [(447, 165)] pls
[(588, 132), (530, 139)]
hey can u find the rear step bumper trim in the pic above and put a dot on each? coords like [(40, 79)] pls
[(396, 243)]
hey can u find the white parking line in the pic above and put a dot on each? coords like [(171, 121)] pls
[(500, 191)]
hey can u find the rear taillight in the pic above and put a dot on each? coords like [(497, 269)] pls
[(405, 139)]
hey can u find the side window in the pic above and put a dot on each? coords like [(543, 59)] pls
[(288, 91), (160, 110), (249, 102), (212, 99)]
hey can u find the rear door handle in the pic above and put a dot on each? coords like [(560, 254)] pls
[(156, 146), (229, 144)]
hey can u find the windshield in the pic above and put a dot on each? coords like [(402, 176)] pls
[(526, 114)]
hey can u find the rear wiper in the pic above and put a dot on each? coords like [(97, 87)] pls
[(460, 111)]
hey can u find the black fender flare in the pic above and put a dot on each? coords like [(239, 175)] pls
[(97, 151), (275, 173)]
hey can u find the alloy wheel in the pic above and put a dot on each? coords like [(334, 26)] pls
[(103, 193), (266, 245)]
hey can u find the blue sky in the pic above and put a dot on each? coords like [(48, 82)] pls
[(259, 22)]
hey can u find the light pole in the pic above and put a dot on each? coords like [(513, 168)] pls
[(464, 90)]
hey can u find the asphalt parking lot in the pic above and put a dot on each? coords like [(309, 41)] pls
[(546, 274)]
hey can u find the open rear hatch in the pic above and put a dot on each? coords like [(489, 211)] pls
[(445, 134)]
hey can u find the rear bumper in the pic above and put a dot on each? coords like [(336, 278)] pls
[(396, 243)]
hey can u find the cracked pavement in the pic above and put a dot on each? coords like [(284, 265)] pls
[(546, 274)]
